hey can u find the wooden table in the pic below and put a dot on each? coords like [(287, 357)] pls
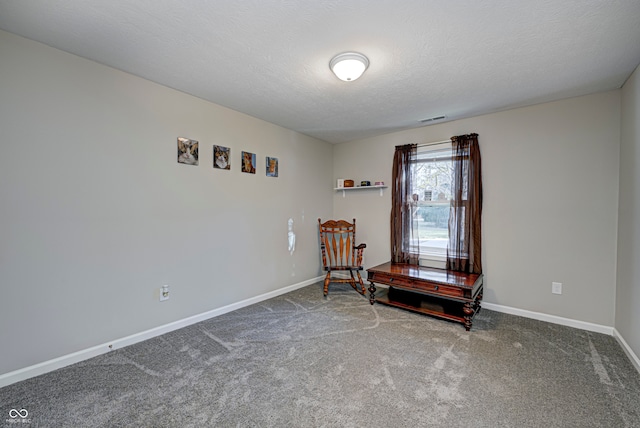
[(451, 295)]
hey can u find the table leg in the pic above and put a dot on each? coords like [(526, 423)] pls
[(468, 314), (372, 293), (476, 303)]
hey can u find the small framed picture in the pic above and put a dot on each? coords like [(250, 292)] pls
[(272, 167), (221, 156), (249, 162), (187, 151)]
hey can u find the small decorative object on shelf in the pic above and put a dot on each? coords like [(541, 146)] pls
[(344, 189), (365, 183), (348, 183), (340, 183), (379, 183)]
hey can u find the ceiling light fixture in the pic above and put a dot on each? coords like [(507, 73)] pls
[(349, 66)]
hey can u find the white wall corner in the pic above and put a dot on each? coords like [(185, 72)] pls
[(596, 328), (635, 360)]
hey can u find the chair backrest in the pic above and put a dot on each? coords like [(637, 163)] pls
[(337, 239)]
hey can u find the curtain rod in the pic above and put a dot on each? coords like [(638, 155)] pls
[(433, 143)]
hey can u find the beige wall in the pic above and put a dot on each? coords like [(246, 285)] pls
[(550, 176), (97, 214), (628, 274)]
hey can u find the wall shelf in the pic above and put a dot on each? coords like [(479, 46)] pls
[(344, 189)]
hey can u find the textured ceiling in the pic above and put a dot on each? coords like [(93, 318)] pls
[(269, 58)]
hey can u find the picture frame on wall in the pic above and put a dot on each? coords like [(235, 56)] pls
[(272, 167), (187, 151), (221, 157), (248, 162)]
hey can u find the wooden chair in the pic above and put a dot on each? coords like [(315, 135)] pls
[(340, 253)]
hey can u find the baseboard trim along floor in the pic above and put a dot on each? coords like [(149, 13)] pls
[(63, 361), (627, 349), (582, 325)]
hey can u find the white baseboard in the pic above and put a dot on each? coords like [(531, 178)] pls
[(597, 328), (627, 349), (65, 360), (582, 325)]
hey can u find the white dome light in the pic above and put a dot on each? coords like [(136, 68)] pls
[(349, 66)]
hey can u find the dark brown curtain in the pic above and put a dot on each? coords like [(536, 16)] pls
[(465, 226), (403, 230)]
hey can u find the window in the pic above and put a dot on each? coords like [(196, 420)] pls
[(424, 183), (431, 196)]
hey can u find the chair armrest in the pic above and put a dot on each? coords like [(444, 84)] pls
[(359, 250)]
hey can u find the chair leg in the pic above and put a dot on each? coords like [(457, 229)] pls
[(361, 283), (327, 279), (353, 282)]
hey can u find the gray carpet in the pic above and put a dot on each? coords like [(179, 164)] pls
[(300, 360)]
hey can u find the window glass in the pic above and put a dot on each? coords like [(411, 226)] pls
[(431, 196)]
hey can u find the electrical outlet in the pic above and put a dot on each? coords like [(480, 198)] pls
[(164, 293), (556, 287)]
